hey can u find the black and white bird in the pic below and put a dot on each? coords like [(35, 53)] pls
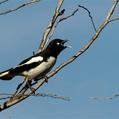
[(37, 66)]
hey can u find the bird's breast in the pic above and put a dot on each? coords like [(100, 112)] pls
[(42, 69)]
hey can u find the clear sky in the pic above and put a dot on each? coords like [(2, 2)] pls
[(94, 74)]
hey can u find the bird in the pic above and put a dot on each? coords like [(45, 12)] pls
[(38, 65)]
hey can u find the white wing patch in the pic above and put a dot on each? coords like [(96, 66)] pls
[(41, 69), (3, 74), (35, 59)]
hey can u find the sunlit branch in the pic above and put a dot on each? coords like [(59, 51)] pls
[(50, 26), (82, 50), (105, 98)]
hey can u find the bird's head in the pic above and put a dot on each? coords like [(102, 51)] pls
[(56, 46)]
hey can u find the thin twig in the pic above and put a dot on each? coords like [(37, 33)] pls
[(62, 19), (50, 26), (69, 16), (56, 24), (81, 51), (36, 95), (3, 1), (89, 16), (85, 48), (105, 98), (72, 14), (19, 7), (114, 19)]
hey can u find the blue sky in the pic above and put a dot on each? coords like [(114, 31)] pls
[(94, 74)]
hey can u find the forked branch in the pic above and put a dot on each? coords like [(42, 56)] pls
[(114, 19), (50, 27)]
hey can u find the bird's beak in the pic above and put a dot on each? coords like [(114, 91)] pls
[(66, 45)]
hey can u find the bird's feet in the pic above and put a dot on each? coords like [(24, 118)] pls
[(32, 90), (46, 79), (29, 84)]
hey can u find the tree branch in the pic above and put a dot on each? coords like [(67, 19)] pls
[(114, 19), (62, 19), (8, 96), (3, 1), (69, 16), (50, 26), (19, 7), (89, 13), (105, 98)]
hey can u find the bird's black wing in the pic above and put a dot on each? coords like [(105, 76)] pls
[(10, 73), (24, 67)]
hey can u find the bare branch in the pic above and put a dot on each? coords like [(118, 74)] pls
[(19, 7), (89, 16), (105, 98), (53, 96), (19, 97), (114, 19), (36, 95), (82, 50), (56, 24), (112, 10), (72, 14), (50, 26), (69, 16), (3, 1)]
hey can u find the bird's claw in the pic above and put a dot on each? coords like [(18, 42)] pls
[(46, 79), (32, 90)]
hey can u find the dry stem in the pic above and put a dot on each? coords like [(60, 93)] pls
[(18, 7)]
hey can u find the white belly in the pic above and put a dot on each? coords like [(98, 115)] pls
[(40, 70)]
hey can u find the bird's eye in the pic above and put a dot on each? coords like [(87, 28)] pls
[(58, 43)]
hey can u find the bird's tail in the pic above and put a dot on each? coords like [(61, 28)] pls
[(6, 75)]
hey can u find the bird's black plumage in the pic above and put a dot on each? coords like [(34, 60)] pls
[(37, 65)]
